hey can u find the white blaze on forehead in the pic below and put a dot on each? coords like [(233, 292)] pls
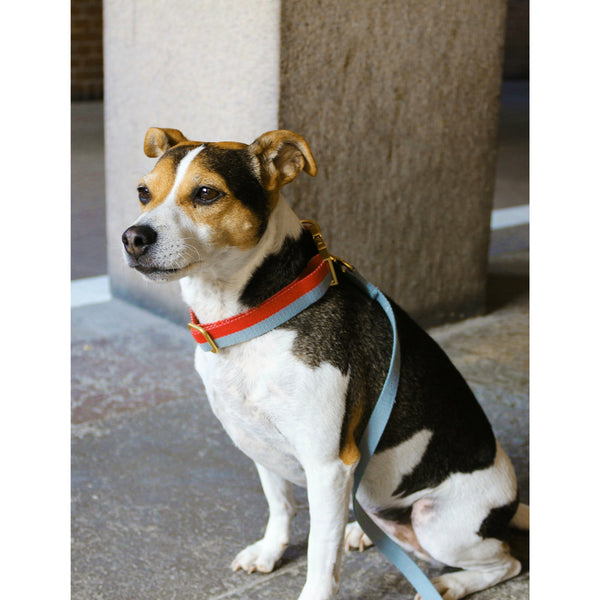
[(183, 167)]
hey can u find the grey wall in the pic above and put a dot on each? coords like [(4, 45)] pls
[(398, 100)]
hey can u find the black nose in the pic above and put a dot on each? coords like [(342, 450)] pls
[(137, 239)]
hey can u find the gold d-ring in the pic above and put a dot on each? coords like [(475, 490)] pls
[(213, 346), (315, 231)]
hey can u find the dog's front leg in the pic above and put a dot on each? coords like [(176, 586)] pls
[(262, 555), (328, 487)]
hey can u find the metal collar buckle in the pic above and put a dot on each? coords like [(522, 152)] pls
[(213, 345), (315, 231)]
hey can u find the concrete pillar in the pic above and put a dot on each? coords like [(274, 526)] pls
[(398, 101)]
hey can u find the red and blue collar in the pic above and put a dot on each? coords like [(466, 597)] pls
[(305, 290)]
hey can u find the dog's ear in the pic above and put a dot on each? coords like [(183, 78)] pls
[(282, 155), (158, 141)]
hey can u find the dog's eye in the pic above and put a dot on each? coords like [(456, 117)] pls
[(206, 195), (144, 194)]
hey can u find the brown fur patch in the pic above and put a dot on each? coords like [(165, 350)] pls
[(230, 145), (349, 453), (233, 223), (160, 182)]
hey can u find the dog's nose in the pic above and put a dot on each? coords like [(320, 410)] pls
[(137, 239)]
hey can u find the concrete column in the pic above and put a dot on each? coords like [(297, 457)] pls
[(397, 99)]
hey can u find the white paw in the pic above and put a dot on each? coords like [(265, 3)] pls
[(323, 592), (355, 538), (260, 556), (448, 587)]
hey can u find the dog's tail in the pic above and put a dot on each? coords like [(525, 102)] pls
[(521, 518)]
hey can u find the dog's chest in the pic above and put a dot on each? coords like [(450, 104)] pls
[(271, 403), (249, 390)]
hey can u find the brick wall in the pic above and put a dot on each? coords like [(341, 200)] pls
[(86, 50)]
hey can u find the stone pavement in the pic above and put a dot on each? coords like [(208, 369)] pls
[(162, 500)]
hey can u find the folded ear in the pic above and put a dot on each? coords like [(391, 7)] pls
[(282, 155), (158, 141)]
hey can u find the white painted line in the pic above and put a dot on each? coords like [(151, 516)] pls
[(91, 290), (510, 217)]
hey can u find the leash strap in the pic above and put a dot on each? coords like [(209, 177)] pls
[(368, 444)]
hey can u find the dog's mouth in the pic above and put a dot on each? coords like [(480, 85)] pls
[(155, 270), (156, 273)]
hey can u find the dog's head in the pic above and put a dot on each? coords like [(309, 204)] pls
[(204, 198)]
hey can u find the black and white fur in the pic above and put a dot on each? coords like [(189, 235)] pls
[(296, 400)]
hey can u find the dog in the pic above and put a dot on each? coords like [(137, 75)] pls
[(296, 399)]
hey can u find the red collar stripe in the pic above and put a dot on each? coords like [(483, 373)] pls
[(309, 287)]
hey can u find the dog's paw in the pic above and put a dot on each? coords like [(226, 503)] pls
[(323, 591), (355, 538), (448, 588), (260, 556)]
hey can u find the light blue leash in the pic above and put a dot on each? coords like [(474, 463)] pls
[(368, 444), (375, 427)]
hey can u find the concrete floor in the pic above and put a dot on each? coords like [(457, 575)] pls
[(161, 499)]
